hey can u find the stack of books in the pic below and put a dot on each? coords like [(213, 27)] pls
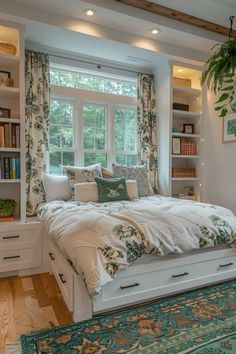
[(188, 148), (9, 167), (9, 135)]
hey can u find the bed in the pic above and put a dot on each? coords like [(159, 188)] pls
[(109, 255)]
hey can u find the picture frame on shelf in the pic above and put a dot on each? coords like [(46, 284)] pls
[(176, 146), (229, 128), (5, 113), (188, 128), (4, 76)]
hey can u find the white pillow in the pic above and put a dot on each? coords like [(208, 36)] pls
[(88, 192), (56, 187)]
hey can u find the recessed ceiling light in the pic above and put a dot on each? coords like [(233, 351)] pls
[(180, 70), (155, 31), (89, 12)]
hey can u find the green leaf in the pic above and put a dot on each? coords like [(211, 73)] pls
[(228, 88), (228, 81), (218, 108), (223, 97), (223, 112)]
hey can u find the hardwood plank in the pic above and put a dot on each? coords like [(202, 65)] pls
[(42, 296), (28, 304), (177, 15)]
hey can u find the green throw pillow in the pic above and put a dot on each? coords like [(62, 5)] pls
[(112, 189)]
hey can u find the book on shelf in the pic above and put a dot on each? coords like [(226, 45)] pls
[(9, 135), (9, 167)]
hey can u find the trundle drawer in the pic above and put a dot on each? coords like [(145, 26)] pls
[(152, 284), (19, 259), (63, 276)]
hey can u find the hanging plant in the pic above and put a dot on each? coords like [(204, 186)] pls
[(220, 75)]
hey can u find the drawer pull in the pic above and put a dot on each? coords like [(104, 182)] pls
[(61, 278), (51, 256), (129, 286), (180, 275), (9, 237), (11, 257), (226, 265)]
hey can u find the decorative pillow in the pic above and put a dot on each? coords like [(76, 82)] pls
[(88, 192), (113, 189), (82, 174), (56, 187), (139, 173), (106, 173)]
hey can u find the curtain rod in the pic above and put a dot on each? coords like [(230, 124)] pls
[(99, 66)]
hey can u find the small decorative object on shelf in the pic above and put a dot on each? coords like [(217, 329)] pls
[(179, 172), (189, 190), (7, 209), (4, 76), (181, 106), (7, 48), (188, 128), (180, 81), (175, 130), (188, 148), (5, 113), (176, 146)]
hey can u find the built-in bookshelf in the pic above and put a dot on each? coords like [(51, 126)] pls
[(12, 106), (186, 132)]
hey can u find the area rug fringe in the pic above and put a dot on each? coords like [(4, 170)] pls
[(13, 348)]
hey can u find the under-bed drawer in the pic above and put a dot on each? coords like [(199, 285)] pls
[(63, 276), (134, 288)]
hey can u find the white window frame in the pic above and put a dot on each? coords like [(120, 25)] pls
[(111, 101)]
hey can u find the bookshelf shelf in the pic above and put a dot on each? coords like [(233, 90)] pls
[(185, 114), (187, 91), (6, 180), (183, 135), (9, 92), (10, 120), (6, 149), (186, 156), (185, 179)]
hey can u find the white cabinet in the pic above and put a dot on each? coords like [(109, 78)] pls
[(20, 246)]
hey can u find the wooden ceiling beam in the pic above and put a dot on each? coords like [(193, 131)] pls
[(177, 15)]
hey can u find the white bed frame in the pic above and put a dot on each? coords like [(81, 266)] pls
[(152, 278)]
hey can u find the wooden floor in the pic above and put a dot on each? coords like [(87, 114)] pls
[(28, 304)]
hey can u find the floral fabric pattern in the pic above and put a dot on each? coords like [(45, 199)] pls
[(138, 173), (82, 174), (147, 126), (36, 125)]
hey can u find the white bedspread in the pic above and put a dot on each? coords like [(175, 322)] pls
[(102, 239)]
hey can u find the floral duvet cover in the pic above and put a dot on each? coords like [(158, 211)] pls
[(102, 239)]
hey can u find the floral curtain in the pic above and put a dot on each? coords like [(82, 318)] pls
[(147, 126), (36, 125)]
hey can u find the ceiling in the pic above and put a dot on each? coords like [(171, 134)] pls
[(118, 32)]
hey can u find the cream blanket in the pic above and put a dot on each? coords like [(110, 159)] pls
[(102, 239)]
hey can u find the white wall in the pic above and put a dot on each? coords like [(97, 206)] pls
[(219, 181)]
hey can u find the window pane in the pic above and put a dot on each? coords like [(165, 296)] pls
[(55, 162), (68, 158), (92, 157), (66, 113), (67, 137), (55, 112), (125, 129), (126, 159), (94, 126), (92, 83), (54, 136)]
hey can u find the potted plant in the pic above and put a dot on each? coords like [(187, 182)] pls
[(7, 207), (220, 75)]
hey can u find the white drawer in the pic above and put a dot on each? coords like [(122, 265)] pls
[(63, 276), (19, 259), (20, 238), (139, 287)]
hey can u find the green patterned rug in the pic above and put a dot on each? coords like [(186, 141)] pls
[(198, 322)]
